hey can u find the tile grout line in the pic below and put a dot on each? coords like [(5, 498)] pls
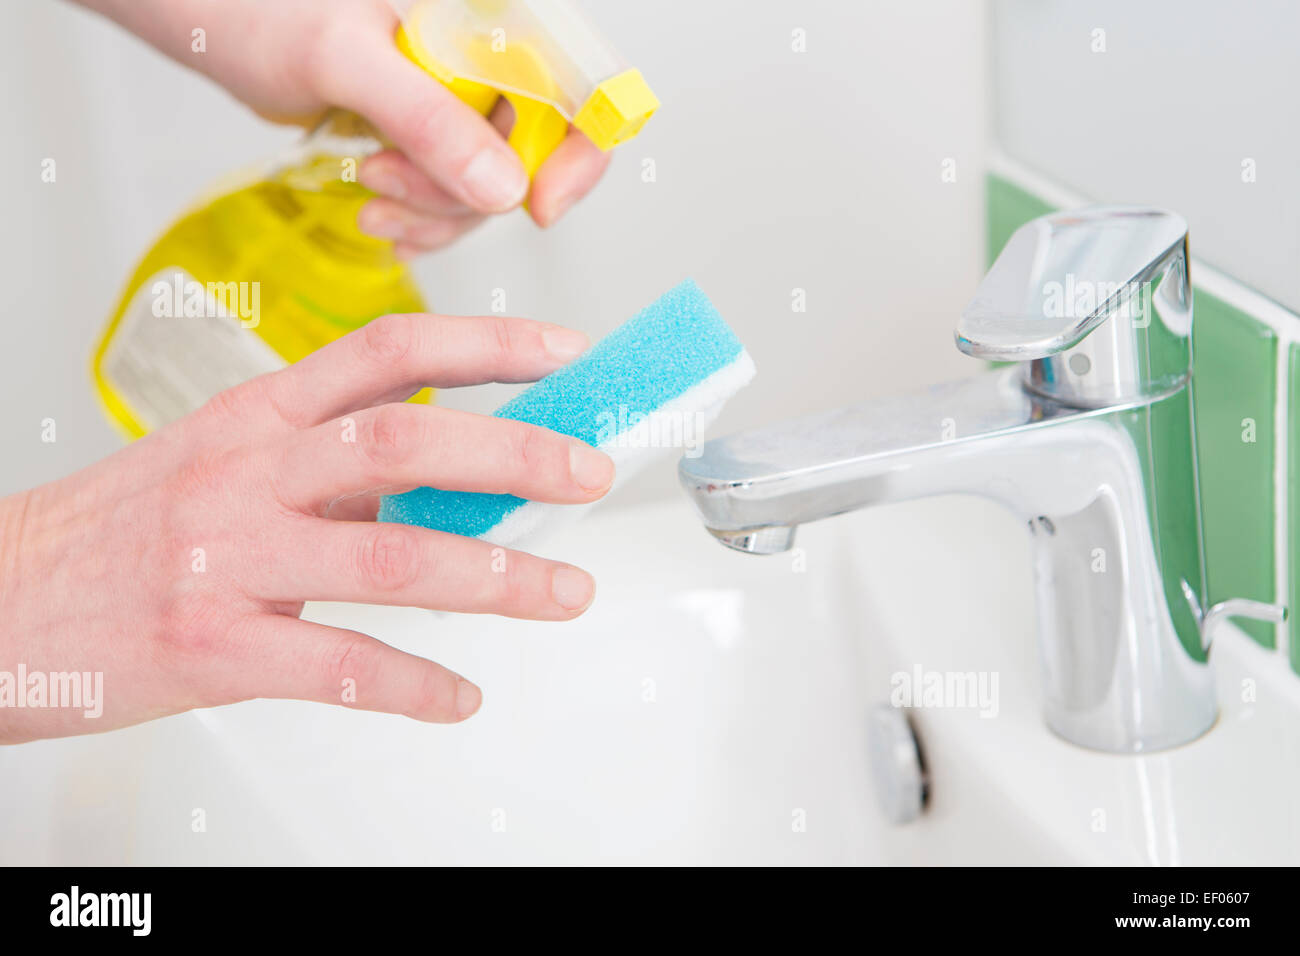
[(1285, 326)]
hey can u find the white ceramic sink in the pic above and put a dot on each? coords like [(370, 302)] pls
[(710, 708)]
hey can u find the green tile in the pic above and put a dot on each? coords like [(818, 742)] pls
[(1174, 507), (1006, 209), (1293, 497), (1235, 375)]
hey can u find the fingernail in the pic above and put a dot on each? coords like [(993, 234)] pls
[(572, 589), (564, 344), (590, 468), (383, 181), (380, 225), (468, 698), (496, 180)]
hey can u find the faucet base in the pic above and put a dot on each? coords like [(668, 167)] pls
[(1070, 729)]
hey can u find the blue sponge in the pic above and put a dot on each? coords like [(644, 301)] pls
[(653, 384)]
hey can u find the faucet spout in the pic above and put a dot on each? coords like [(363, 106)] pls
[(1118, 572), (752, 489), (1089, 440)]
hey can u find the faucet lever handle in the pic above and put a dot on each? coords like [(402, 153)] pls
[(1047, 299), (1238, 607)]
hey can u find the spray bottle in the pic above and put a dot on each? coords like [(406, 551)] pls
[(270, 267)]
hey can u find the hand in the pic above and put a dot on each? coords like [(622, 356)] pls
[(177, 568), (291, 60)]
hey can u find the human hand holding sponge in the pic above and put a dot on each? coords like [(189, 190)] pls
[(654, 383), (177, 568)]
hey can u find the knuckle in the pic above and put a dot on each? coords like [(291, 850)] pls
[(393, 435), (425, 123), (191, 624), (204, 475), (234, 404), (388, 558), (502, 338), (435, 697), (352, 659), (273, 397), (534, 461), (530, 450), (387, 341)]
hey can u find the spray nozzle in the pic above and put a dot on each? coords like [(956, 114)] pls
[(544, 56)]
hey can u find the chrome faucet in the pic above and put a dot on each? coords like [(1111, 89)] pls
[(1088, 438)]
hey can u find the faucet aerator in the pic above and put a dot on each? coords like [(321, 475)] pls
[(773, 540)]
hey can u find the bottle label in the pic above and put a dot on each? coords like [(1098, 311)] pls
[(181, 341)]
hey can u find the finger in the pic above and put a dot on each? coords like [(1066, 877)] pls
[(397, 447), (406, 566), (455, 146), (301, 660), (392, 175), (395, 356), (409, 250), (388, 219), (568, 174), (440, 238), (360, 507), (406, 251)]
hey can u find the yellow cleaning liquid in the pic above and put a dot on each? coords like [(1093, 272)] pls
[(245, 284)]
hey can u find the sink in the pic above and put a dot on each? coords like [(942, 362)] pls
[(711, 707)]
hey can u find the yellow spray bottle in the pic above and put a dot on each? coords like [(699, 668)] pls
[(259, 274)]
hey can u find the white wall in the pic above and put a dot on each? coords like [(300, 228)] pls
[(1184, 92), (775, 170)]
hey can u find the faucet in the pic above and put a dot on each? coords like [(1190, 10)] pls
[(1088, 437)]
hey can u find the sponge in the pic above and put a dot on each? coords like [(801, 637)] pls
[(647, 389)]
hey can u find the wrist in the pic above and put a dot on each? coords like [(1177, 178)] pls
[(164, 24)]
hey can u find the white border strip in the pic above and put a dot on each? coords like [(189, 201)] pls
[(1284, 323), (1281, 493)]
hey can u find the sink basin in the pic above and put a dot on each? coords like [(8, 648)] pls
[(711, 707)]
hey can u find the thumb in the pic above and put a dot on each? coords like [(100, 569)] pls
[(449, 141)]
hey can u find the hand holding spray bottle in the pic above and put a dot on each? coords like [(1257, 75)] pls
[(258, 276)]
